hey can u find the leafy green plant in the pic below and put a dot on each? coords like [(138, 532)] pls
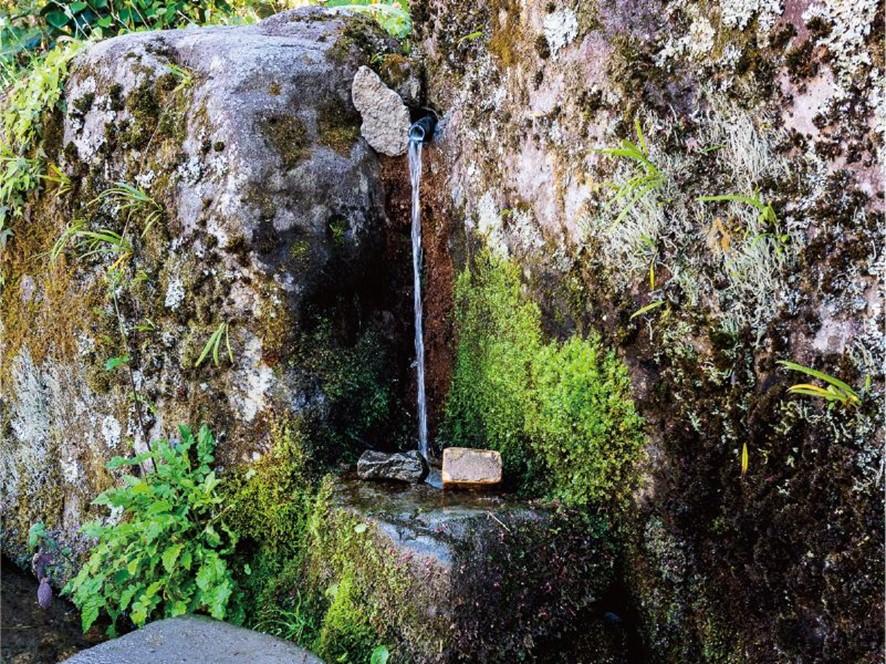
[(391, 15), (836, 390), (82, 18), (166, 555), (114, 362), (647, 176), (213, 346), (380, 655), (36, 533)]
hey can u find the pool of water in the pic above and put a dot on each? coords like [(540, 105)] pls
[(30, 635)]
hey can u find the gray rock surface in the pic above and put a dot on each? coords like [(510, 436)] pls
[(402, 466), (385, 117), (465, 576), (272, 215), (194, 640)]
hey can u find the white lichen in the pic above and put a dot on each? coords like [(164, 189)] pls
[(560, 28), (175, 294)]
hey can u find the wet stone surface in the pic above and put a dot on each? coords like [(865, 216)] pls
[(31, 635)]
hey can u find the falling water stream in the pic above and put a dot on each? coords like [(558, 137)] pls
[(416, 138)]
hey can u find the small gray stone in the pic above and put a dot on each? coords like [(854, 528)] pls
[(402, 466), (385, 117)]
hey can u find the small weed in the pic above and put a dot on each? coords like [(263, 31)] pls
[(213, 346), (647, 176), (836, 390), (131, 200)]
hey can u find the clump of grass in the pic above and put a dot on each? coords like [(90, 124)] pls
[(213, 346), (131, 200), (836, 390), (647, 176)]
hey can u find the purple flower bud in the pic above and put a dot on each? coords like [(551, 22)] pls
[(44, 593)]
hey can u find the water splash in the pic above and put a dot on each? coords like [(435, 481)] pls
[(416, 138)]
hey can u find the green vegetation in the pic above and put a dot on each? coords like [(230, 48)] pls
[(133, 200), (166, 553), (391, 15), (836, 390), (647, 177), (213, 346), (28, 102), (560, 413)]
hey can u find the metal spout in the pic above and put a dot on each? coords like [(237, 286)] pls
[(422, 130)]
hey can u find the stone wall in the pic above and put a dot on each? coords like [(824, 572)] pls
[(774, 105)]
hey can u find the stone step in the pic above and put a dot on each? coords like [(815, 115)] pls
[(194, 640)]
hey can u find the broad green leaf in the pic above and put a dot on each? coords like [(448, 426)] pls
[(170, 555), (380, 655), (113, 362)]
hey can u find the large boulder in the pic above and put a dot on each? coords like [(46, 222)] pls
[(264, 236)]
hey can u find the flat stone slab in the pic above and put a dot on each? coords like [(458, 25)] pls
[(463, 466), (194, 640)]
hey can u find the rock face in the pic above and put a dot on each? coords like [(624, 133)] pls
[(774, 100), (465, 577), (463, 466), (385, 117), (194, 640), (400, 466), (271, 228)]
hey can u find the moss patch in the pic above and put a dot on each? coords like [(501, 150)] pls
[(561, 414), (339, 126), (287, 136)]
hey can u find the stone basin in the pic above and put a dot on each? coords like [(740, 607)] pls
[(464, 576)]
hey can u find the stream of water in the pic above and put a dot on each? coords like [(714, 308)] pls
[(416, 136)]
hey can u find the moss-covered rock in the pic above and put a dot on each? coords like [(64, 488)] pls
[(445, 577), (247, 213), (774, 108)]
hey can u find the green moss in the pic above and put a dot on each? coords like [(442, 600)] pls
[(339, 127), (286, 135), (561, 414), (345, 636), (270, 503), (505, 34), (498, 335), (368, 592), (358, 404)]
